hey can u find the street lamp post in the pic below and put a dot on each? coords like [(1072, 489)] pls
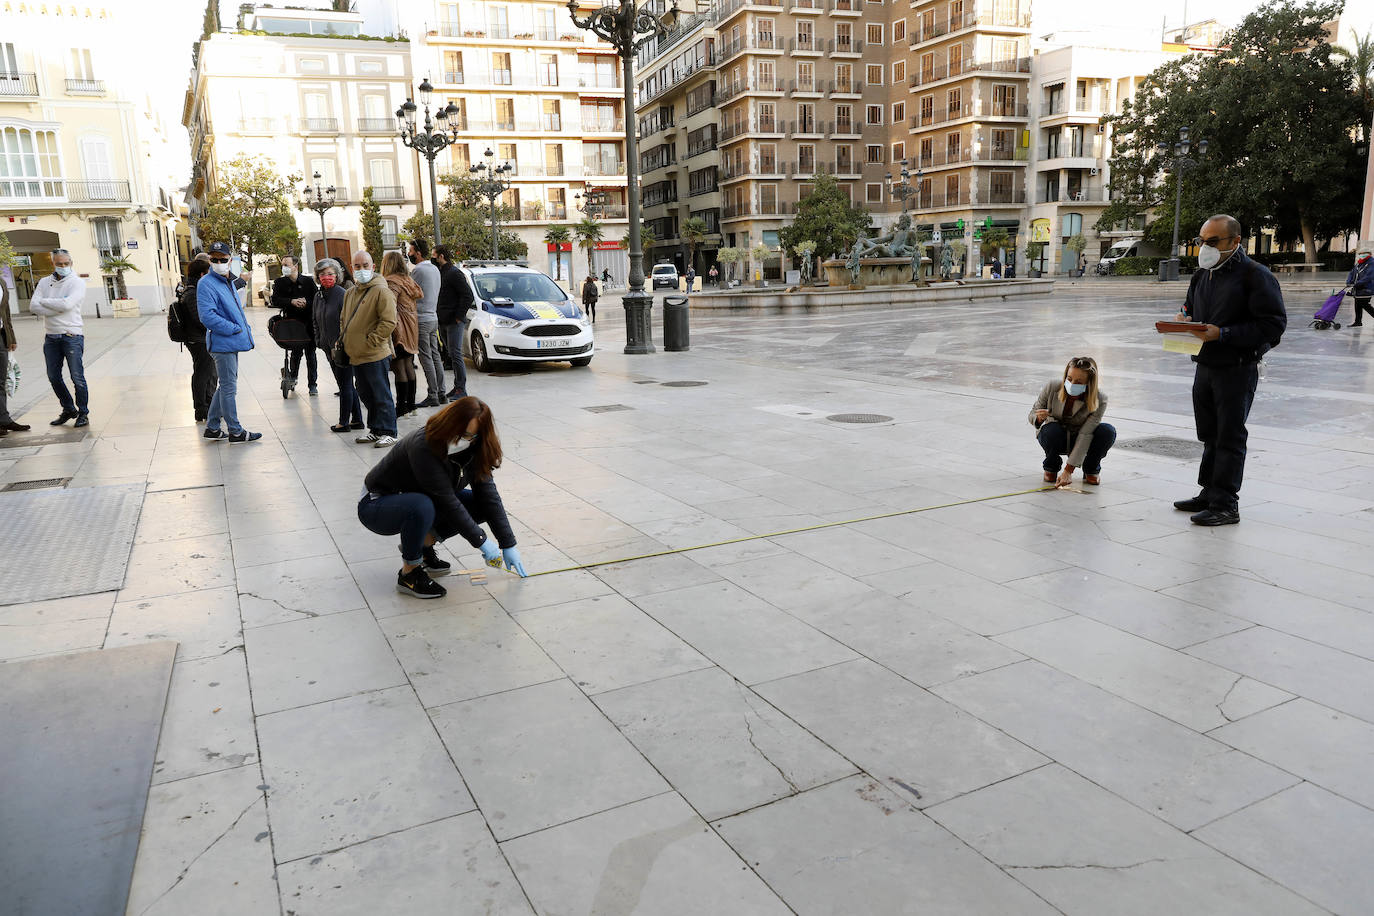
[(627, 26), (906, 190), (491, 184), (320, 200), (429, 140), (1180, 163)]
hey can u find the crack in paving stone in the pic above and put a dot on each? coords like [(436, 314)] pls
[(1222, 702), (748, 727), (278, 604), (1103, 867), (189, 865)]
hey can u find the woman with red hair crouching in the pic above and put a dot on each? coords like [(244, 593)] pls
[(436, 483)]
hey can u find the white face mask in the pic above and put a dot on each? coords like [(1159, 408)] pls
[(220, 268), (1074, 388), (1210, 257), (62, 271), (462, 445), (363, 276), (288, 271)]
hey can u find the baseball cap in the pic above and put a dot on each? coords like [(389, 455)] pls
[(219, 248)]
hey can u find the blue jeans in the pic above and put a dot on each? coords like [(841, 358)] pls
[(1055, 441), (350, 408), (453, 339), (68, 348), (223, 406), (411, 515), (374, 387)]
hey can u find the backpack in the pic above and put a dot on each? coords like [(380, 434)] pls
[(176, 328)]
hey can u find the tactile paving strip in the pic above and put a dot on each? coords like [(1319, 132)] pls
[(60, 543)]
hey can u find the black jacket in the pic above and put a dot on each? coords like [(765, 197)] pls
[(455, 298), (410, 467), (285, 289), (1243, 299), (326, 308), (189, 314)]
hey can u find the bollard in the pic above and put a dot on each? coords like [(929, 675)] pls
[(676, 332)]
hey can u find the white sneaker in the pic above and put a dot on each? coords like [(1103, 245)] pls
[(383, 441), (365, 439)]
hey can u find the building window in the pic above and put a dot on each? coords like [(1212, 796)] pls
[(898, 31), (806, 158), (952, 189), (898, 112), (898, 152), (453, 67), (873, 154), (1072, 225), (371, 66), (953, 144), (805, 190), (498, 22), (874, 114), (548, 69), (388, 232), (874, 74), (875, 33), (844, 119), (82, 68), (505, 114), (28, 163), (806, 36), (106, 236), (844, 158), (310, 64), (927, 109), (899, 72), (954, 102), (873, 193), (500, 69)]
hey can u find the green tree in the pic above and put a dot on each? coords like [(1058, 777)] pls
[(694, 231), (286, 237), (248, 208), (827, 218), (647, 240), (465, 223), (557, 236), (730, 256), (588, 232), (1278, 109), (117, 265), (6, 254), (1361, 58), (371, 220)]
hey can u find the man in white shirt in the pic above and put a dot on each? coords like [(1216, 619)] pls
[(58, 299)]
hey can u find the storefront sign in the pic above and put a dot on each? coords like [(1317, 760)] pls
[(1040, 230)]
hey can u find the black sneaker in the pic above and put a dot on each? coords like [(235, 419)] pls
[(64, 417), (418, 584), (1192, 504), (1211, 518), (428, 402), (214, 434), (435, 566), (244, 436)]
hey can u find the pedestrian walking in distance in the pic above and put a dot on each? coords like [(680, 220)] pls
[(204, 375), (9, 342), (368, 319), (227, 335), (58, 299), (294, 293), (589, 297), (455, 300), (405, 339), (1068, 418), (426, 276), (1361, 283), (1238, 307), (435, 484)]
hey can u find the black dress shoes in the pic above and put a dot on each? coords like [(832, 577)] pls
[(82, 420), (63, 418), (1211, 518), (15, 427), (1192, 504)]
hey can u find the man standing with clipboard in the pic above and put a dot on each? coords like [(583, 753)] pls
[(1236, 309)]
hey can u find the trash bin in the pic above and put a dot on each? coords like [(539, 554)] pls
[(676, 334)]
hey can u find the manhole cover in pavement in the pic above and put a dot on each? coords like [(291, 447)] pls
[(608, 408), (684, 384), (859, 418), (33, 440), (42, 484), (1168, 446)]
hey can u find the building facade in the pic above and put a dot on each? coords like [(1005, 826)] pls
[(544, 97), (77, 166), (320, 104)]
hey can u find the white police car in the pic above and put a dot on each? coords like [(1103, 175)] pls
[(521, 315)]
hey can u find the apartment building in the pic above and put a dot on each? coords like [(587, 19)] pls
[(76, 166), (546, 98), (312, 94)]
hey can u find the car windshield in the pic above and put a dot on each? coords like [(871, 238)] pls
[(664, 269), (519, 287)]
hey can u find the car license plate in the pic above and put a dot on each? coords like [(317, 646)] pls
[(554, 344)]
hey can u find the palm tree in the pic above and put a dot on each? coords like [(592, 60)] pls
[(1362, 62), (557, 236), (694, 232), (117, 264), (588, 233)]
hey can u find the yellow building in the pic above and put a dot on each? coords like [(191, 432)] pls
[(75, 158)]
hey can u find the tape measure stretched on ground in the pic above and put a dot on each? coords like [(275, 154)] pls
[(774, 534)]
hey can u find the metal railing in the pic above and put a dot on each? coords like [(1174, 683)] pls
[(698, 149), (598, 166), (319, 125), (846, 87), (551, 122), (18, 84), (260, 125), (453, 77), (501, 77), (602, 125), (967, 21), (700, 188), (845, 46), (386, 192), (1082, 195), (596, 82), (85, 87), (38, 190), (943, 71), (451, 30), (376, 125), (941, 157)]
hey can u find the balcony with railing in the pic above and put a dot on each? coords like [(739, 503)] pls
[(809, 127), (376, 125), (993, 194), (941, 199), (660, 157), (698, 188), (852, 46), (551, 123), (758, 41), (387, 193), (807, 6), (85, 87), (451, 30), (35, 189), (602, 165), (603, 125), (953, 24), (657, 195), (501, 77), (806, 45), (1077, 106), (14, 84), (730, 130), (453, 78), (267, 125), (728, 8), (846, 87), (698, 149), (934, 74), (1075, 196), (846, 6), (598, 83), (319, 125)]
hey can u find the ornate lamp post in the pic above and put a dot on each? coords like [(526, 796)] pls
[(320, 200), (906, 190), (430, 139), (595, 201), (1180, 163), (627, 26), (491, 184)]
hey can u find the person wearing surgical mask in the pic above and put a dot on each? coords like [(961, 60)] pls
[(1237, 307), (59, 298), (1361, 283), (1067, 417), (437, 483), (367, 322)]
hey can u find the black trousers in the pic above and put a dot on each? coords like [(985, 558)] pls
[(204, 377), (1362, 306), (312, 368), (1221, 405)]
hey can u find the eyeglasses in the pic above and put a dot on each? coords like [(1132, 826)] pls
[(1200, 241), (219, 260)]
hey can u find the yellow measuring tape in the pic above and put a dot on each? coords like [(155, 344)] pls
[(774, 534)]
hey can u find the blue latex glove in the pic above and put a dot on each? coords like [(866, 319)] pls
[(490, 553), (512, 557)]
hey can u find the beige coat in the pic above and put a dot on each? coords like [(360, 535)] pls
[(366, 321), (406, 291), (1079, 425)]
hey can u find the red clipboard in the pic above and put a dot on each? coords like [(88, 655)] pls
[(1178, 327)]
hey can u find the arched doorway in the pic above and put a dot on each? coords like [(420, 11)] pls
[(34, 247)]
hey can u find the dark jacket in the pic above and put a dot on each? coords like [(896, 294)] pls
[(190, 315), (410, 467), (325, 310), (1243, 299), (1361, 279), (455, 298), (284, 289), (589, 292), (7, 337)]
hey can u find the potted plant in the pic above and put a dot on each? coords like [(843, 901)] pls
[(760, 253), (124, 306), (1034, 251), (1075, 245), (958, 249)]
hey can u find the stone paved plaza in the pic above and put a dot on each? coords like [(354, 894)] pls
[(1051, 702)]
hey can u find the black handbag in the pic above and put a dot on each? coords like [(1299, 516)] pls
[(337, 353)]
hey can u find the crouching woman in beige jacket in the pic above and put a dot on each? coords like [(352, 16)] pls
[(1068, 416)]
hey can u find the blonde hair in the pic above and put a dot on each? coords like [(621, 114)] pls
[(393, 262), (1088, 365)]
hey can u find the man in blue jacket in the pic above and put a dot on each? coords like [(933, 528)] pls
[(226, 336), (1239, 308)]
